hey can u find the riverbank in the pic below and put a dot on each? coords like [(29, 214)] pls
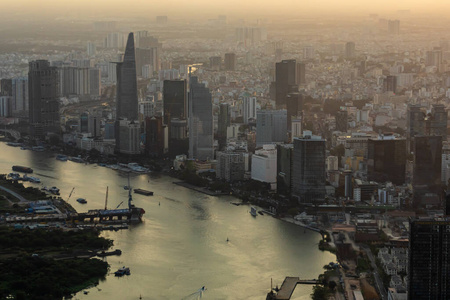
[(199, 189)]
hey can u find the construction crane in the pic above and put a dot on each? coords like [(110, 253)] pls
[(106, 200), (119, 205)]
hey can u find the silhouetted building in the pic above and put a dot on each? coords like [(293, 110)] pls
[(248, 108), (342, 120), (201, 134), (350, 50), (284, 168), (390, 84), (84, 122), (178, 137), (223, 123), (285, 80), (129, 133), (394, 27), (294, 107), (271, 127), (215, 63), (174, 97), (427, 169), (309, 177), (230, 61), (387, 160), (301, 73), (6, 87), (20, 95), (429, 260), (43, 95), (154, 136), (230, 166)]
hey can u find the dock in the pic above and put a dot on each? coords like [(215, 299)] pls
[(143, 192), (288, 287)]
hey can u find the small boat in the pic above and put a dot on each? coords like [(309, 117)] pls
[(143, 192), (228, 240), (122, 271), (38, 148), (86, 292), (54, 190), (22, 169), (126, 187), (253, 211), (61, 157), (81, 200), (261, 213)]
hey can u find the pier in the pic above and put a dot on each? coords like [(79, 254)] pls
[(288, 287)]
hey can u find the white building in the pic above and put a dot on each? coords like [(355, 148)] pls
[(264, 165), (249, 108), (296, 127)]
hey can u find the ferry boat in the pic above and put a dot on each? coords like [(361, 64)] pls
[(253, 211), (54, 190), (31, 179), (22, 169), (61, 157)]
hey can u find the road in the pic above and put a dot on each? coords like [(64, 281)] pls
[(378, 282), (21, 199)]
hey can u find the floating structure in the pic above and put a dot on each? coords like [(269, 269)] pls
[(122, 271), (22, 169), (288, 287), (143, 192)]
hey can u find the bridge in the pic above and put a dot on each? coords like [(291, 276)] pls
[(288, 287)]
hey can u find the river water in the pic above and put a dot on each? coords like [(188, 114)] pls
[(181, 245)]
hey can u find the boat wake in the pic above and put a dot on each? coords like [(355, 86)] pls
[(195, 295)]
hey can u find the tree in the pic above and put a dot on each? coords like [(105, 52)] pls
[(319, 293), (332, 285)]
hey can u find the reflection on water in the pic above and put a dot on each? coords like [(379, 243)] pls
[(181, 245)]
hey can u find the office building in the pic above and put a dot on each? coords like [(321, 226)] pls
[(230, 61), (248, 108), (230, 166), (301, 73), (154, 136), (390, 84), (350, 50), (223, 123), (394, 27), (215, 63), (271, 127), (174, 99), (129, 133), (201, 134), (434, 58), (126, 99), (178, 138), (387, 160), (294, 107), (429, 260), (91, 49), (285, 80), (296, 127), (6, 87), (264, 165), (95, 82), (308, 176), (342, 120), (284, 168), (43, 95), (6, 103), (20, 95)]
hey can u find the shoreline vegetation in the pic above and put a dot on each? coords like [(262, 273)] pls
[(33, 268)]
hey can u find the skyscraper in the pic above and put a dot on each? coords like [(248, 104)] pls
[(127, 100), (248, 108), (174, 98), (223, 123), (201, 134), (230, 61), (301, 73), (350, 50), (43, 95), (294, 107), (285, 80), (20, 95), (271, 127), (309, 175), (387, 160), (429, 260)]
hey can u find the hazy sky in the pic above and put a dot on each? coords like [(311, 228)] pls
[(214, 7)]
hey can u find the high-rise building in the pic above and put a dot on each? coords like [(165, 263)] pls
[(215, 63), (178, 137), (223, 123), (309, 174), (74, 81), (390, 84), (146, 57), (427, 169), (43, 95), (174, 98), (230, 165), (296, 127), (429, 260), (84, 122), (201, 133), (20, 95), (264, 165), (271, 127), (6, 106), (294, 107), (387, 160), (127, 100), (129, 133), (434, 58), (284, 167), (308, 52), (146, 41), (6, 87), (248, 108), (342, 120), (285, 80), (95, 82), (394, 27), (301, 73), (91, 49), (230, 61), (350, 50), (154, 136)]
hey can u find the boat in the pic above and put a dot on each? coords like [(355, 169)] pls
[(14, 176), (76, 159), (61, 157), (122, 271), (126, 187), (253, 211), (143, 192), (38, 148), (22, 169), (54, 190), (137, 168), (104, 253), (261, 213), (81, 200), (31, 179)]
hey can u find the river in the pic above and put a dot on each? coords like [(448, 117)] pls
[(181, 245)]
